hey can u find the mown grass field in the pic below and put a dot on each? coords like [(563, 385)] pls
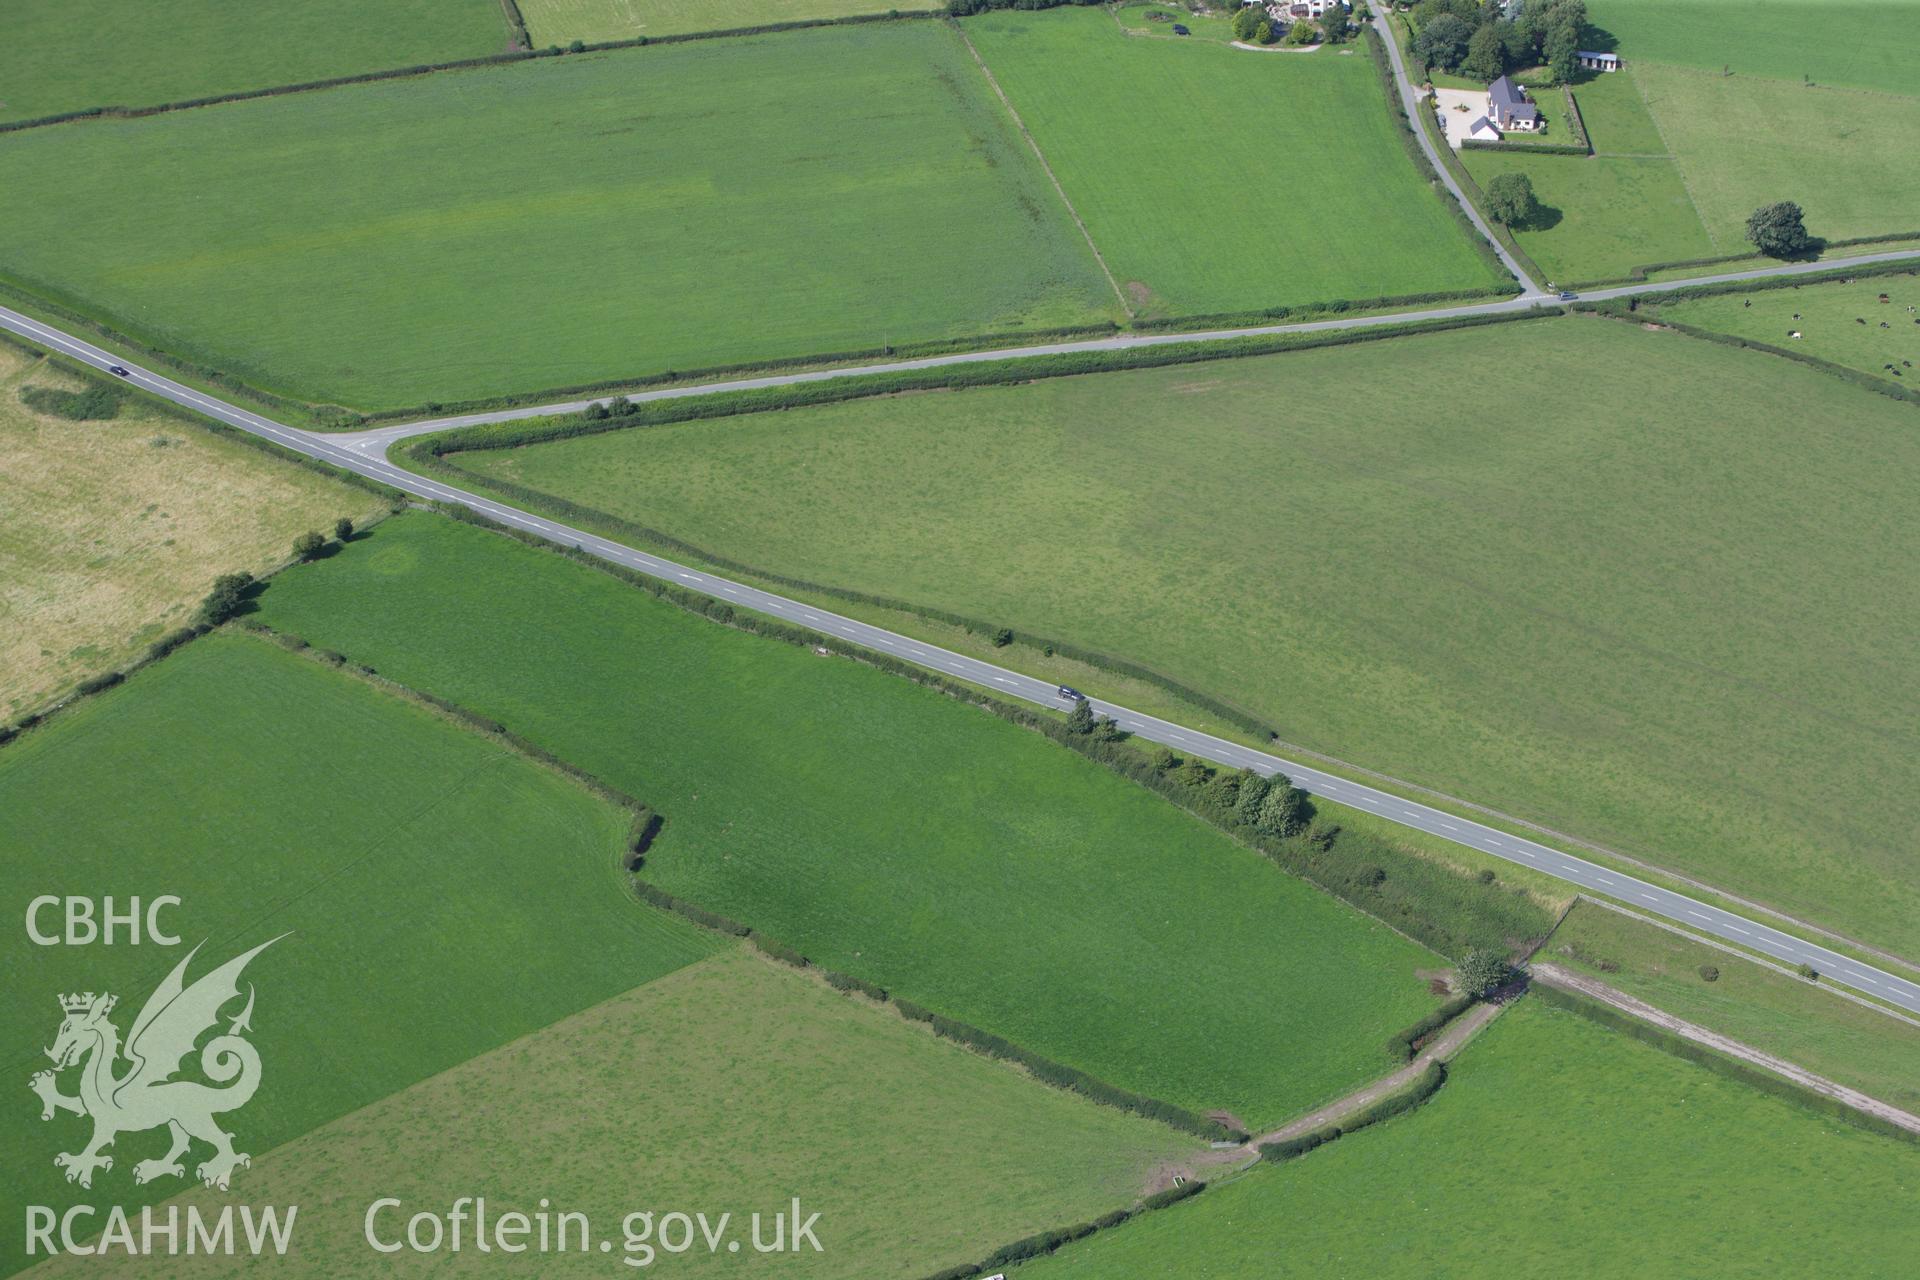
[(1685, 154), (1193, 219), (1827, 317), (1743, 142), (107, 53), (1607, 609), (887, 831), (552, 22), (444, 895), (1864, 44), (1553, 1139), (730, 1086), (689, 205), (1782, 1015), (116, 528)]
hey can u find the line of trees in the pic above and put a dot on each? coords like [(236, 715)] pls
[(1484, 41)]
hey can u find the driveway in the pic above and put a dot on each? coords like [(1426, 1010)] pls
[(1458, 109)]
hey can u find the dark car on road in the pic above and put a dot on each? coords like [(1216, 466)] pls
[(1070, 693), (118, 371)]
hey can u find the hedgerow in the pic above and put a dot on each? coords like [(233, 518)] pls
[(96, 403), (1046, 1242), (1417, 1091), (985, 1042), (1405, 1044)]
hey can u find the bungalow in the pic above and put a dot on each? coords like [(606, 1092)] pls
[(1290, 11), (1509, 109), (1597, 61)]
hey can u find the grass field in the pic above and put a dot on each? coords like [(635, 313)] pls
[(115, 529), (1743, 142), (1863, 44), (1597, 610), (883, 198), (1556, 1146), (424, 873), (730, 1086), (1827, 316), (1194, 219), (887, 831), (107, 53), (1782, 1015), (1133, 17), (552, 22)]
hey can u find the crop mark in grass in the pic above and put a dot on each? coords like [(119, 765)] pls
[(1120, 295), (1686, 184)]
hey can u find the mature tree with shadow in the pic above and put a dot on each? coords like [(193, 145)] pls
[(1510, 199), (1779, 230)]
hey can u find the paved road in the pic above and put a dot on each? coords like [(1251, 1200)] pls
[(1410, 102), (365, 455)]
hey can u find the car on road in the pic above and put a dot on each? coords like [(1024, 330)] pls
[(118, 371), (1070, 693), (1568, 295)]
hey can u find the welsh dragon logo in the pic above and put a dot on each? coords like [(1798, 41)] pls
[(146, 1095)]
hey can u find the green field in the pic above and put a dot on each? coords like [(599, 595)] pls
[(78, 54), (1827, 317), (1512, 595), (1784, 1016), (727, 1087), (444, 895), (1555, 1148), (1193, 219), (552, 22), (890, 832), (1742, 143), (883, 198), (1601, 215), (1864, 44)]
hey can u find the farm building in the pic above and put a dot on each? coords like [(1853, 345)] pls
[(1597, 61), (1509, 108)]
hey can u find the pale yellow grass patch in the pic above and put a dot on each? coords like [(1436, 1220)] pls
[(110, 532)]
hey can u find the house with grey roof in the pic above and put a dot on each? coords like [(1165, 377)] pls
[(1509, 108)]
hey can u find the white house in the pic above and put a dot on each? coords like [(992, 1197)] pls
[(1597, 61), (1291, 11), (1510, 109)]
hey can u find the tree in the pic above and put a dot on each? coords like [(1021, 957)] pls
[(1484, 970), (1443, 42), (1510, 199), (1283, 811), (343, 528), (229, 591), (1080, 719), (1003, 637), (1303, 32), (1247, 23), (1252, 791), (1486, 53), (1334, 23), (1779, 230), (308, 545), (1562, 49)]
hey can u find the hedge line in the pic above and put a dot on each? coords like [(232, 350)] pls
[(97, 403), (1576, 122), (1526, 148), (1765, 284), (1680, 1047), (1047, 1241), (1376, 49), (1405, 1044), (516, 25), (1445, 910), (1315, 310), (429, 454), (1418, 1090), (985, 1042), (1857, 377), (517, 33)]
